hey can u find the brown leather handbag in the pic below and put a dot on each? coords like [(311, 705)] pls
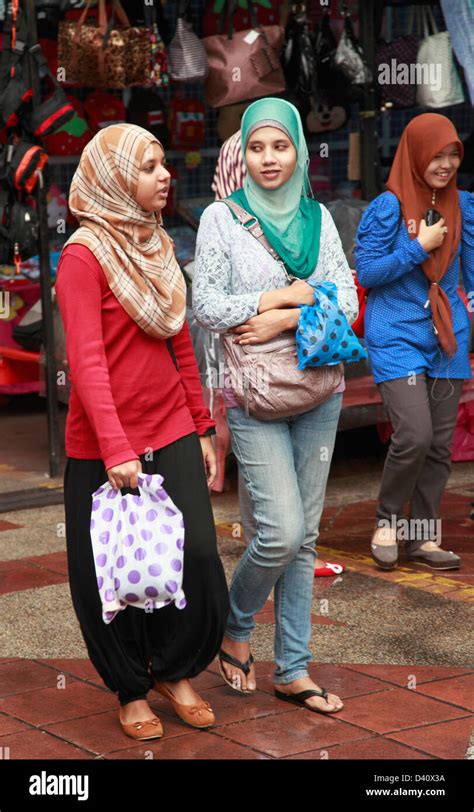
[(243, 65), (265, 377), (100, 54)]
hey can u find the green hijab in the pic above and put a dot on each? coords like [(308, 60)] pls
[(291, 220)]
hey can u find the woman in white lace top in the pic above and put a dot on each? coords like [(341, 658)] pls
[(238, 287)]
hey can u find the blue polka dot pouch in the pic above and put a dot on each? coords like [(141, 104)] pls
[(323, 335)]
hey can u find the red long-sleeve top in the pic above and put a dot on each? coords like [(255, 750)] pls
[(127, 397)]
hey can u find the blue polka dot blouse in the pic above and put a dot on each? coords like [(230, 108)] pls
[(398, 327)]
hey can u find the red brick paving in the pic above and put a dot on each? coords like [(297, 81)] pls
[(371, 749), (15, 678), (400, 674), (55, 562), (457, 691), (199, 745), (18, 575), (8, 525), (295, 731), (38, 744), (445, 740), (396, 709), (48, 705), (381, 717)]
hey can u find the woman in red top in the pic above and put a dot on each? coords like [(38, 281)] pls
[(136, 406)]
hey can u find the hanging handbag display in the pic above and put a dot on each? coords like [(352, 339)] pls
[(349, 56), (298, 54), (187, 55), (138, 544), (330, 80), (435, 52), (101, 55), (243, 65), (265, 377), (401, 51)]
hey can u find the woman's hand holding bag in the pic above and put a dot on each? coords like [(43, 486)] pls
[(125, 475)]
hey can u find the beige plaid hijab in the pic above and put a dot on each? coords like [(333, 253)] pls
[(131, 245)]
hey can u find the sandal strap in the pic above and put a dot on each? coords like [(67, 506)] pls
[(245, 667), (311, 692)]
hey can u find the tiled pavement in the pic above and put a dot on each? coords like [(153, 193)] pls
[(59, 709)]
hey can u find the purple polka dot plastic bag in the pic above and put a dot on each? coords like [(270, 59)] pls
[(138, 546)]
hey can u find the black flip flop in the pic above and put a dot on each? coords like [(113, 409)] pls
[(299, 699), (245, 667)]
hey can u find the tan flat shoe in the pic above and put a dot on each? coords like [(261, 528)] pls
[(149, 729), (199, 715)]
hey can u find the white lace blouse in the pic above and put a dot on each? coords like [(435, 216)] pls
[(232, 270)]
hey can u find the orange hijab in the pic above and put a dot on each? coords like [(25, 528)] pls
[(421, 140)]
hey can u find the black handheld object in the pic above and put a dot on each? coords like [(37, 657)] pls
[(432, 216)]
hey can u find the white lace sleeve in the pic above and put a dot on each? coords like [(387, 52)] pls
[(214, 305), (333, 267)]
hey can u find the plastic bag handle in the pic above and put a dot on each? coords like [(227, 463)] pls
[(133, 491)]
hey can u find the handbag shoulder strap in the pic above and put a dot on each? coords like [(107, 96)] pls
[(428, 20), (255, 229), (228, 11)]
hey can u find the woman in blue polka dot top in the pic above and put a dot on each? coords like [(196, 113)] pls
[(417, 331)]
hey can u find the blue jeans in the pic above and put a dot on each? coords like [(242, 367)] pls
[(285, 465)]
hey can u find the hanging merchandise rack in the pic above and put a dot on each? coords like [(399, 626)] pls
[(27, 62), (45, 273)]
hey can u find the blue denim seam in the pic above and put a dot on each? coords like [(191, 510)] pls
[(280, 619), (256, 515), (292, 677), (237, 639)]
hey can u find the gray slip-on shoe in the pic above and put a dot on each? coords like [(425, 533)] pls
[(435, 559), (384, 555)]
